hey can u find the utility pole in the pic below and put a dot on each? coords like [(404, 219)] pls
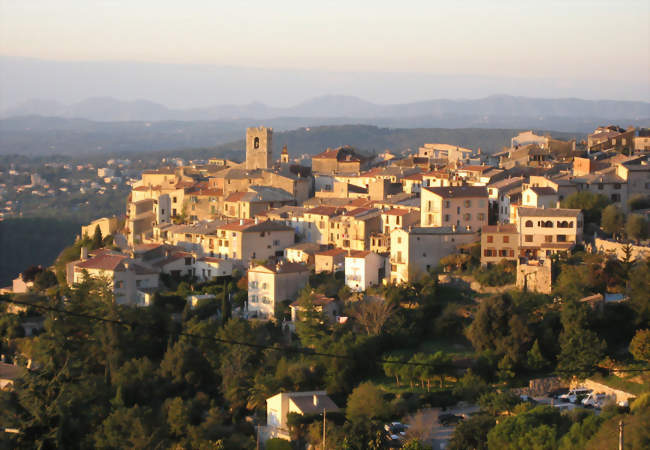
[(620, 434), (324, 413), (258, 437)]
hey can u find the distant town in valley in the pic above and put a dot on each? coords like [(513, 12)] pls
[(431, 295)]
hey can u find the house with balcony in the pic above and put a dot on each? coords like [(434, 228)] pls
[(364, 269), (543, 231), (270, 284)]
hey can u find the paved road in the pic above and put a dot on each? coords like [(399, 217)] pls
[(442, 434)]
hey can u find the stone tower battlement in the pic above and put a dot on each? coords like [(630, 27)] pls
[(259, 143)]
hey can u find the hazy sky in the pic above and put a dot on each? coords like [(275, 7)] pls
[(595, 39)]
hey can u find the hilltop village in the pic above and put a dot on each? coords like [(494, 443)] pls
[(377, 220), (239, 305)]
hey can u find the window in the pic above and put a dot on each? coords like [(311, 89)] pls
[(506, 239), (503, 253), (467, 203), (256, 142), (446, 217), (276, 242), (264, 285), (467, 217), (120, 284), (480, 216), (253, 298), (188, 261), (529, 224), (399, 240), (616, 197), (617, 185), (490, 239), (512, 253), (528, 238), (600, 186), (447, 203)]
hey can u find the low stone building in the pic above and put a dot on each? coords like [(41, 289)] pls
[(535, 275), (332, 260)]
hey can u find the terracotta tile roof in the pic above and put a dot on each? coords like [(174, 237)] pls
[(283, 267), (358, 253), (306, 404), (332, 252), (543, 190), (317, 300), (210, 259), (397, 212), (239, 196), (174, 257), (102, 262), (237, 226), (414, 177), (325, 211), (459, 191), (474, 168)]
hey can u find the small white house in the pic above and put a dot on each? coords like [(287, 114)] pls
[(364, 269), (278, 406)]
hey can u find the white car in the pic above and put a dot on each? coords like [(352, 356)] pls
[(594, 400), (574, 395)]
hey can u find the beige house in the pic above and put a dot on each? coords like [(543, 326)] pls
[(107, 225), (278, 406), (539, 197), (499, 242), (330, 260), (398, 218), (247, 240), (460, 206), (339, 160), (352, 229), (546, 231), (123, 275), (320, 217), (416, 251), (268, 285)]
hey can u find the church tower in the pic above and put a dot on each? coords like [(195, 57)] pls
[(258, 148), (284, 157)]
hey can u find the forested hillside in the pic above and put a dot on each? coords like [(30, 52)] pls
[(31, 241)]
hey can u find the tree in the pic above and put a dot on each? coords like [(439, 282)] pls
[(422, 425), (538, 428), (472, 433), (637, 290), (97, 238), (372, 315), (636, 227), (365, 402), (534, 359), (640, 345), (44, 280), (612, 220), (278, 444), (470, 386), (591, 205), (392, 367), (225, 305), (580, 348), (497, 402)]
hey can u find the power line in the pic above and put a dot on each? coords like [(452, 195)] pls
[(299, 350)]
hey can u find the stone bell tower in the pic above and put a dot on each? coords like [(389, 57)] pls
[(259, 142)]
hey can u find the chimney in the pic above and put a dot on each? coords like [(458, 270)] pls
[(315, 400), (241, 221), (84, 253), (257, 220)]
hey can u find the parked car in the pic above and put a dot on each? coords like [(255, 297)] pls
[(449, 419), (575, 395), (594, 400)]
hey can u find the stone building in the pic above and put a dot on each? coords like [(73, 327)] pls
[(259, 141)]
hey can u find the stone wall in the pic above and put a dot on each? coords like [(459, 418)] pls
[(617, 248), (619, 396), (535, 276)]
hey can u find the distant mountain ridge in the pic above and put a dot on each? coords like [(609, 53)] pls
[(495, 107)]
